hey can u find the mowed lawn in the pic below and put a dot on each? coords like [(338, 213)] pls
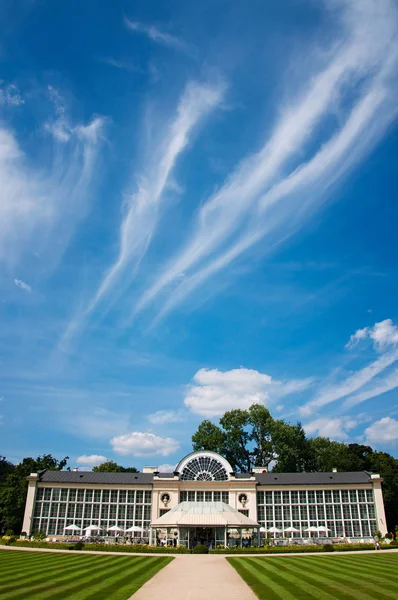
[(40, 575), (347, 577)]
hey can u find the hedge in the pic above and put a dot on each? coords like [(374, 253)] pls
[(299, 549), (139, 549)]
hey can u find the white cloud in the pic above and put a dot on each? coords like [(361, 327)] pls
[(166, 468), (255, 203), (331, 427), (21, 284), (156, 35), (166, 416), (93, 460), (40, 206), (384, 431), (383, 334), (213, 392), (140, 443), (140, 221)]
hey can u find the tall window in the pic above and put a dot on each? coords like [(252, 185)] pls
[(349, 513), (56, 508)]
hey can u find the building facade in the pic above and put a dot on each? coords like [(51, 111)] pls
[(348, 505)]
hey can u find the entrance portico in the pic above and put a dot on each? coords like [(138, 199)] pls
[(209, 523)]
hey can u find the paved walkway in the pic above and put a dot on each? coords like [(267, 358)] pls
[(194, 577)]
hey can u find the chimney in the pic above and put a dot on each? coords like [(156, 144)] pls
[(149, 469), (259, 470)]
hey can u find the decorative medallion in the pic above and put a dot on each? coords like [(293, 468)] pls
[(165, 498), (242, 499)]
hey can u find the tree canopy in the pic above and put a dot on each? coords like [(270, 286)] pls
[(13, 486), (110, 466), (249, 438)]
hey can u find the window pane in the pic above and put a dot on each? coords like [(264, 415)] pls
[(353, 496)]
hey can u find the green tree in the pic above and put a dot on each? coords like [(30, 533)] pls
[(13, 487), (110, 466)]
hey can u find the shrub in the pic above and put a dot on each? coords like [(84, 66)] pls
[(201, 549), (328, 548), (78, 546), (9, 532)]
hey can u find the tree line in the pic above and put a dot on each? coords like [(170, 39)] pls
[(249, 438), (246, 438)]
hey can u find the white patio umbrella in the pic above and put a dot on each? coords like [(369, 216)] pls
[(291, 529), (92, 528), (72, 527), (312, 528), (274, 530), (134, 529), (323, 528), (262, 529), (115, 528)]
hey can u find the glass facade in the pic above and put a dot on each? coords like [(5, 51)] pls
[(56, 508), (346, 513), (204, 496)]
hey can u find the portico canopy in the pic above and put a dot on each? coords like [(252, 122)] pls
[(204, 514)]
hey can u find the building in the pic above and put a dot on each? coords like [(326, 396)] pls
[(204, 500)]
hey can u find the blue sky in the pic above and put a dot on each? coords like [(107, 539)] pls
[(197, 212)]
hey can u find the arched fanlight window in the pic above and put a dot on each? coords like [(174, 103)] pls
[(204, 468)]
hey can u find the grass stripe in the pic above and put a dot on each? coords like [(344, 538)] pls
[(55, 564), (340, 579), (47, 572), (336, 577), (65, 578), (130, 583), (356, 568), (304, 584), (97, 580), (261, 584)]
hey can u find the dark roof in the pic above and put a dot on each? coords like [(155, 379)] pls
[(353, 477), (101, 478)]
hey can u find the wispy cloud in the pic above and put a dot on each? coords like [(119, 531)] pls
[(21, 284), (156, 35), (161, 417), (10, 95), (39, 206), (388, 383), (259, 203), (143, 207), (385, 340), (123, 65)]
